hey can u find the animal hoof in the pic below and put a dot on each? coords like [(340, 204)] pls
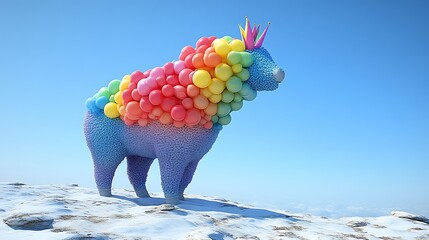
[(142, 193), (172, 200), (105, 192)]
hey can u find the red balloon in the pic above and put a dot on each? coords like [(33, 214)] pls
[(145, 104), (185, 52), (193, 117), (126, 96), (160, 81), (203, 41), (180, 92), (168, 103), (178, 113), (167, 90), (187, 103), (169, 68), (136, 76), (132, 86), (156, 97), (202, 49), (184, 77), (173, 80), (188, 61), (135, 95)]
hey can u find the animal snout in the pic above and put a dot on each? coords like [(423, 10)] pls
[(279, 74)]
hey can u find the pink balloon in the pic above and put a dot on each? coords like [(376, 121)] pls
[(192, 90), (143, 88), (167, 90), (187, 103), (151, 81), (180, 92), (178, 113), (157, 72), (193, 117), (172, 80), (184, 79), (156, 97), (168, 103), (204, 41), (160, 81), (147, 73), (179, 66), (136, 76), (145, 104), (135, 95), (169, 68)]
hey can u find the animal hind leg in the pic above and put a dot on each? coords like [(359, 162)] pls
[(137, 168), (187, 177)]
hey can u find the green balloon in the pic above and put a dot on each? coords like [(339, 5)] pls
[(234, 84), (215, 118), (113, 86), (225, 120), (235, 106), (243, 75), (227, 96), (223, 109), (227, 38), (238, 97), (246, 59), (233, 58), (112, 98), (103, 92)]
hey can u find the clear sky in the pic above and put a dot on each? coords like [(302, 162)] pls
[(346, 133)]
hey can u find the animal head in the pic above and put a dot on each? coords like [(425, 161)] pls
[(265, 75), (202, 88)]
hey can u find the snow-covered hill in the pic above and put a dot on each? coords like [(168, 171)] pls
[(72, 212)]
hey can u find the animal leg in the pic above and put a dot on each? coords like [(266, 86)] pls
[(104, 170), (187, 177), (171, 175), (137, 168)]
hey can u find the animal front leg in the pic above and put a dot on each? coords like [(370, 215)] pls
[(137, 168), (104, 176), (187, 177)]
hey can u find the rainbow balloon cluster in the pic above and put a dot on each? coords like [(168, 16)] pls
[(203, 87)]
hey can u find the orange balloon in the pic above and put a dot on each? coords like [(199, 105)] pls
[(166, 118), (192, 90), (201, 102), (212, 59), (198, 60), (211, 109)]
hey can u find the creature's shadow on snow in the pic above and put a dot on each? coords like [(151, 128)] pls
[(204, 205)]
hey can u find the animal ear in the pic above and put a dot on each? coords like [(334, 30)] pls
[(251, 37)]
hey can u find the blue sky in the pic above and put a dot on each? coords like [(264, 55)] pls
[(346, 133)]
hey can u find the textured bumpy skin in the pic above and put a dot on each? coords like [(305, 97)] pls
[(178, 149)]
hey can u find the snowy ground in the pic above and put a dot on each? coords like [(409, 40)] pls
[(72, 212)]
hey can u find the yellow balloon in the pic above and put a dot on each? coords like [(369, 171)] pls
[(236, 68), (237, 45), (217, 86), (206, 92), (111, 110), (222, 47), (215, 98), (118, 98), (223, 71), (202, 78), (124, 83)]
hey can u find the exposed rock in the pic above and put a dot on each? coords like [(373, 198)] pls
[(410, 216), (35, 222)]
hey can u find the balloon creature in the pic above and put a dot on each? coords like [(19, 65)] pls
[(175, 112)]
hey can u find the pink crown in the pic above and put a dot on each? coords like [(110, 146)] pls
[(251, 37)]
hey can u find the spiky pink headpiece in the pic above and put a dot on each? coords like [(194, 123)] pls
[(251, 37)]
